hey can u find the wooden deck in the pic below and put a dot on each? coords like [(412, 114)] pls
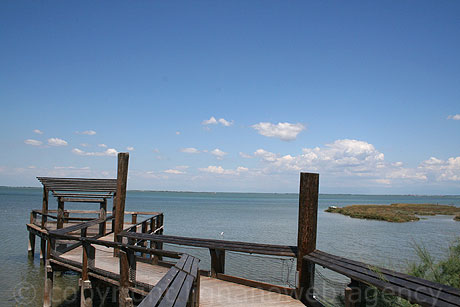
[(213, 291)]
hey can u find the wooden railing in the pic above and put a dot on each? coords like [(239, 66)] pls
[(217, 248), (364, 276)]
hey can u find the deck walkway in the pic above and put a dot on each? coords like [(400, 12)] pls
[(213, 291)]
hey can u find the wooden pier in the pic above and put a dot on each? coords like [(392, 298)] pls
[(129, 255)]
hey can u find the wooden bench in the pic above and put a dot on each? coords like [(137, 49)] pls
[(413, 289), (179, 287)]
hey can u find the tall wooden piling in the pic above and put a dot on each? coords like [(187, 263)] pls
[(306, 236), (122, 178)]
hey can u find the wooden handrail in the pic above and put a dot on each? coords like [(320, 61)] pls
[(245, 247)]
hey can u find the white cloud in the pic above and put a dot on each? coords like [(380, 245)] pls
[(442, 170), (221, 171), (84, 144), (33, 142), (454, 117), (56, 142), (245, 155), (87, 132), (190, 150), (211, 121), (218, 153), (130, 148), (177, 132), (37, 131), (102, 145), (283, 131), (214, 121), (174, 171), (225, 122), (108, 152)]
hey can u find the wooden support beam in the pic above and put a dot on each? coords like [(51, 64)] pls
[(103, 215), (48, 289), (306, 236), (122, 177), (31, 247), (60, 213), (86, 294), (124, 300), (44, 206), (42, 249), (217, 261)]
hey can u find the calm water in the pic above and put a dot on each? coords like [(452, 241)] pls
[(262, 218)]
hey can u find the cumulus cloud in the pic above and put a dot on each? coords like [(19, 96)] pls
[(442, 170), (130, 148), (102, 145), (221, 171), (56, 142), (219, 154), (108, 152), (37, 131), (190, 150), (454, 117), (214, 121), (283, 131), (86, 132), (33, 142)]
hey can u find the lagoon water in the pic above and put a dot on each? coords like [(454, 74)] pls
[(251, 217)]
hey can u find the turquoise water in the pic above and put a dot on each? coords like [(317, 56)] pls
[(262, 218)]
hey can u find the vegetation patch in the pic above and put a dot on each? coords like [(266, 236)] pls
[(398, 213)]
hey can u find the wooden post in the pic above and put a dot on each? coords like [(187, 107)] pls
[(124, 299), (122, 177), (134, 218), (31, 247), (356, 294), (217, 261), (60, 214), (103, 215), (42, 249), (306, 236), (44, 206), (89, 252), (49, 277)]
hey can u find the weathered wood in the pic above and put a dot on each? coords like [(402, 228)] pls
[(44, 206), (60, 213), (103, 216), (31, 246), (122, 177), (124, 298), (256, 284), (350, 297), (133, 218), (42, 249), (246, 247), (217, 261), (48, 288), (414, 289), (306, 236), (86, 297)]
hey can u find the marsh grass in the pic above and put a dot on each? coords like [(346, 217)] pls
[(397, 213)]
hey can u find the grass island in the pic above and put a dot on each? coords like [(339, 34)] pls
[(397, 213)]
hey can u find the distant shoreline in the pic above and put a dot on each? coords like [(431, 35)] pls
[(272, 193)]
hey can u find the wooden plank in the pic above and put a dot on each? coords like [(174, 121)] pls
[(180, 264), (416, 280), (256, 284), (412, 296), (157, 292), (173, 291), (419, 286), (184, 293)]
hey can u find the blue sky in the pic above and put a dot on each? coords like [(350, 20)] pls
[(233, 95)]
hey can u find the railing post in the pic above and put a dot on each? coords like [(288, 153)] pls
[(306, 236), (122, 177), (87, 263), (356, 294), (43, 224), (134, 218), (60, 214), (217, 261), (103, 215), (123, 296)]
